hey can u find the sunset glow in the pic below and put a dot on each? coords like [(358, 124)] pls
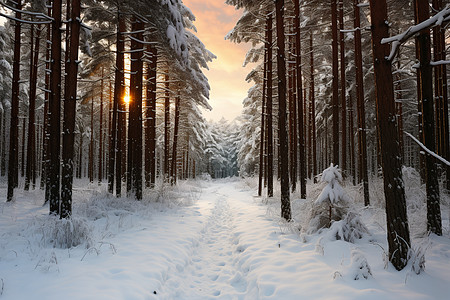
[(214, 19)]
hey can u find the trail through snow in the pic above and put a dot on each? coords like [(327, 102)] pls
[(213, 269), (225, 245)]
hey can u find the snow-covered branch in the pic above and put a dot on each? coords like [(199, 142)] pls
[(443, 160), (396, 40)]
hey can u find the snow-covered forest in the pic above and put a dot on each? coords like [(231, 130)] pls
[(333, 183)]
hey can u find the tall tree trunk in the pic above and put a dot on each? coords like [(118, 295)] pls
[(284, 159), (335, 98), (434, 223), (263, 116), (343, 89), (166, 126), (269, 108), (70, 105), (13, 170), (351, 139), (173, 168), (3, 142), (394, 191), (300, 100), (134, 179), (80, 153), (362, 141), (441, 90), (46, 129), (291, 112), (91, 145), (22, 165), (55, 110), (150, 133), (100, 140), (31, 145), (313, 109), (115, 156)]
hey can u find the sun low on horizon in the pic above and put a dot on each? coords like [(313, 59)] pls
[(226, 74)]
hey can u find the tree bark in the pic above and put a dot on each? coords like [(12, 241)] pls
[(173, 168), (134, 181), (283, 155), (150, 133), (269, 108), (313, 109), (343, 89), (13, 171), (100, 140), (434, 223), (70, 105), (55, 111), (397, 220), (115, 157), (46, 129), (335, 97), (166, 127), (31, 142), (300, 100), (263, 116), (91, 145), (361, 114)]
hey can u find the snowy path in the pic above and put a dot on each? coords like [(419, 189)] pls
[(225, 245), (214, 268)]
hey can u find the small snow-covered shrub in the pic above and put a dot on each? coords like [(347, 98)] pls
[(417, 256), (359, 267), (349, 229), (65, 233), (332, 203)]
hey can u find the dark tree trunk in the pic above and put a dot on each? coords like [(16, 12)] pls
[(115, 157), (313, 109), (31, 141), (269, 108), (441, 90), (150, 133), (343, 89), (13, 171), (134, 179), (46, 129), (283, 155), (335, 98), (397, 220), (70, 108), (3, 141), (22, 165), (300, 100), (173, 168), (100, 140), (91, 145), (55, 111), (166, 127), (292, 112), (351, 139), (263, 116), (362, 153), (434, 223), (80, 153)]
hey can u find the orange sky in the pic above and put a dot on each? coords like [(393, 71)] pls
[(214, 19)]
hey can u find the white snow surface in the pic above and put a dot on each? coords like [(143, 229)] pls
[(201, 240)]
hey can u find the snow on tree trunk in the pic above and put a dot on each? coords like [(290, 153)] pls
[(283, 154), (396, 218)]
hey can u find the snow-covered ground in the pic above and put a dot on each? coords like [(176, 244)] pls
[(201, 240)]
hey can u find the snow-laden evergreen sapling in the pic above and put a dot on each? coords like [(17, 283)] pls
[(333, 198), (331, 209)]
